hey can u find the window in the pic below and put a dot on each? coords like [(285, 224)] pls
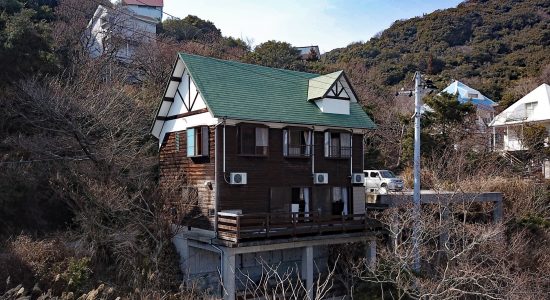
[(340, 201), (374, 174), (387, 174), (338, 144), (530, 109), (253, 140), (473, 95), (297, 143), (197, 141)]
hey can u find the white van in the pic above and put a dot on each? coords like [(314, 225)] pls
[(383, 180)]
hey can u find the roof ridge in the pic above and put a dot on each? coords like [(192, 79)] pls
[(249, 64)]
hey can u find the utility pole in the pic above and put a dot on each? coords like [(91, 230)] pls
[(416, 172)]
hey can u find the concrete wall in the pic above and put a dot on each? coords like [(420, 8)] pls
[(202, 266)]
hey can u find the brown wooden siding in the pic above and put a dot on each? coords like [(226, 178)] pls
[(180, 176), (268, 175), (269, 178)]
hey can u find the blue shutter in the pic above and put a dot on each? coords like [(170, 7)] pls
[(190, 142)]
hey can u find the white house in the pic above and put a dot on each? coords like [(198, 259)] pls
[(146, 8), (533, 108), (119, 30)]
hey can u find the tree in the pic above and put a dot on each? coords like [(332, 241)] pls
[(276, 55), (24, 40), (190, 28)]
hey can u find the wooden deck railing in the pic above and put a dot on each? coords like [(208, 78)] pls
[(258, 226)]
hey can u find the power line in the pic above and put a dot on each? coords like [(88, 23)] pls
[(43, 160)]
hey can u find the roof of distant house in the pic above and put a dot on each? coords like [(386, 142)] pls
[(248, 92), (155, 3), (467, 94), (537, 101), (306, 51)]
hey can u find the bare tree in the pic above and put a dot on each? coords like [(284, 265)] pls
[(285, 283)]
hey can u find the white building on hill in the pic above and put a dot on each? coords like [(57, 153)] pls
[(120, 29), (533, 108)]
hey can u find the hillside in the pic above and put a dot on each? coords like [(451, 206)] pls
[(81, 211), (494, 44)]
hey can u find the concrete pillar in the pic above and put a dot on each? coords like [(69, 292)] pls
[(228, 272), (307, 270), (182, 247), (497, 211), (444, 235), (370, 253)]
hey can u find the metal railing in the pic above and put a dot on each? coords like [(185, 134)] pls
[(298, 151), (338, 152), (258, 226)]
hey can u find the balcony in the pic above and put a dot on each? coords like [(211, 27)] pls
[(338, 152), (298, 151), (261, 226)]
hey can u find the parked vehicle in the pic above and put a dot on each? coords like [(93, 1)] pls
[(383, 180)]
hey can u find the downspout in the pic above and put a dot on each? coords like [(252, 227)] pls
[(221, 265), (313, 151), (363, 152), (224, 148), (351, 156), (217, 191)]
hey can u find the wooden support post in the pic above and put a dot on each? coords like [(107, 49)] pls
[(267, 225), (238, 225)]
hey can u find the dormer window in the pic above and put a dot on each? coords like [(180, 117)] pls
[(332, 93), (337, 144)]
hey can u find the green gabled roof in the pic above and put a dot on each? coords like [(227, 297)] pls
[(256, 93), (318, 86)]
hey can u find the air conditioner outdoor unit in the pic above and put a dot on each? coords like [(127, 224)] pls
[(358, 178), (237, 178), (320, 178)]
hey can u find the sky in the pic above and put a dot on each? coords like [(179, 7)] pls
[(329, 24)]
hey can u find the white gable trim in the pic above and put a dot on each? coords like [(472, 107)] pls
[(182, 106)]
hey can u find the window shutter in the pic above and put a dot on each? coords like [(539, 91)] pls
[(205, 140), (327, 144), (285, 142), (177, 142), (190, 142)]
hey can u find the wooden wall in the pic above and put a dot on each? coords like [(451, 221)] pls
[(276, 173), (182, 181), (269, 178)]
